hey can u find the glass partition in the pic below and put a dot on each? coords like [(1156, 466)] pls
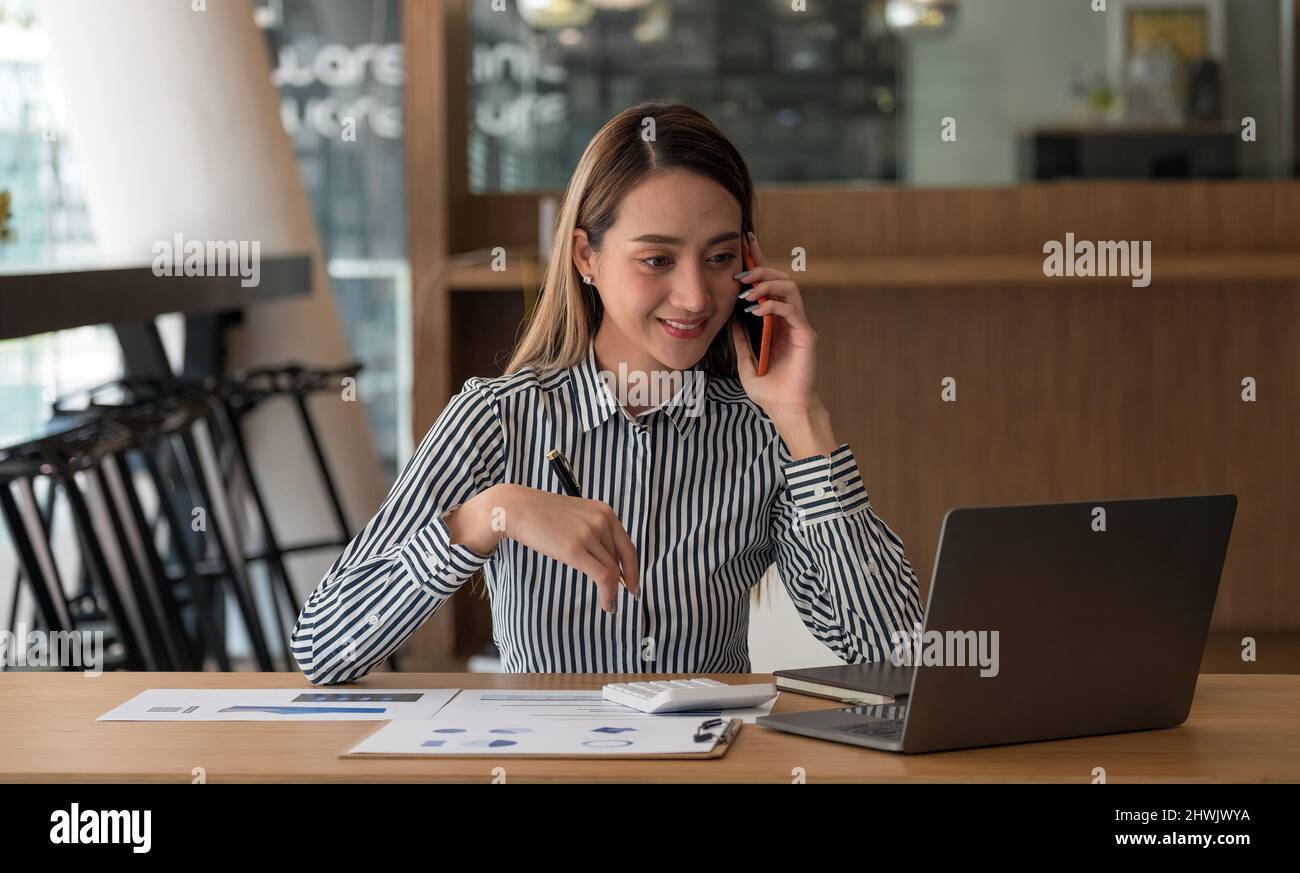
[(920, 92)]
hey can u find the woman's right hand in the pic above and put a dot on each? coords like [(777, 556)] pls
[(584, 534)]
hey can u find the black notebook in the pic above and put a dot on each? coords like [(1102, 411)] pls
[(871, 683)]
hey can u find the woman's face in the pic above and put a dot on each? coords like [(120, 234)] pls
[(665, 273)]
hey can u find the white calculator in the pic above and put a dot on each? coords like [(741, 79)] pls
[(677, 695)]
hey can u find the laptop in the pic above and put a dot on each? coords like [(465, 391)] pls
[(1047, 622)]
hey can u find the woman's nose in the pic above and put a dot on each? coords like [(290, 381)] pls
[(691, 292)]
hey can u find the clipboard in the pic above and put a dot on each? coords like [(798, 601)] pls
[(724, 740)]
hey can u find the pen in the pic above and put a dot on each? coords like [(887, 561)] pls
[(564, 472), (569, 482)]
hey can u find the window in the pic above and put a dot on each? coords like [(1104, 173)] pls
[(339, 67), (49, 226), (806, 96)]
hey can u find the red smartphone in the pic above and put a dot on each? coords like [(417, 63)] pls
[(759, 330)]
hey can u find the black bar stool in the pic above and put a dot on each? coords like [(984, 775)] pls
[(163, 583), (245, 390), (168, 432), (29, 534), (69, 460), (153, 434)]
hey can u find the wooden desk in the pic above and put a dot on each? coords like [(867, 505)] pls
[(1242, 728)]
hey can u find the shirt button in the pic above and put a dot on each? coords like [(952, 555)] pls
[(374, 619)]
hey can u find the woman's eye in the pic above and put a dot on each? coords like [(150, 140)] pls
[(658, 261)]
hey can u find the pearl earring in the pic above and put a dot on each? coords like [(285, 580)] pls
[(586, 280)]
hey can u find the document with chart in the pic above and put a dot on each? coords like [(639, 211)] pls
[(281, 704), (591, 736)]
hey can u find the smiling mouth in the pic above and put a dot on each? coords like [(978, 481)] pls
[(684, 329)]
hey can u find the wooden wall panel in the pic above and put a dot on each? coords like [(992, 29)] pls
[(1068, 394)]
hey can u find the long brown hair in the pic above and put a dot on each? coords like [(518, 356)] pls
[(619, 157)]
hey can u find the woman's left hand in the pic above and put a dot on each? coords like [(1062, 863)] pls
[(788, 392)]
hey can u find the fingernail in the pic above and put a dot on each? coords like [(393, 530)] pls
[(742, 274), (751, 235), (744, 295), (752, 308)]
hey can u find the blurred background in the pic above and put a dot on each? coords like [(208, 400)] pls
[(921, 152)]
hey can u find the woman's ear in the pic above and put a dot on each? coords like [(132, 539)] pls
[(583, 256)]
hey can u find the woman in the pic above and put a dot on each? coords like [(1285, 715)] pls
[(686, 499)]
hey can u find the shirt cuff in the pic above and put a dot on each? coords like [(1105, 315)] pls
[(437, 564), (824, 487)]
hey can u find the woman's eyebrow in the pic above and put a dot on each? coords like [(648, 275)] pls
[(678, 241)]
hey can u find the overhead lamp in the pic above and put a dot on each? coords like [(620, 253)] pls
[(556, 14), (919, 15)]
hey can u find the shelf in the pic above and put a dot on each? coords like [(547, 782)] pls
[(60, 299)]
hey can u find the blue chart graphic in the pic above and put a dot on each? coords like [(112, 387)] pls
[(449, 730), (488, 744), (511, 731), (356, 697), (607, 744), (433, 743), (612, 730), (303, 710)]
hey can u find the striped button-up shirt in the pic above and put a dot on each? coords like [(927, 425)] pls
[(707, 491)]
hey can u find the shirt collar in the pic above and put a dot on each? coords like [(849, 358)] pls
[(596, 402)]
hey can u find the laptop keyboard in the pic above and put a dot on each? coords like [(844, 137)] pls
[(885, 730)]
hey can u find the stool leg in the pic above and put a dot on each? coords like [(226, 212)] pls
[(274, 556), (154, 585), (13, 600), (206, 620), (232, 495), (147, 611), (233, 562), (43, 534), (100, 574), (49, 601), (326, 476), (40, 523)]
